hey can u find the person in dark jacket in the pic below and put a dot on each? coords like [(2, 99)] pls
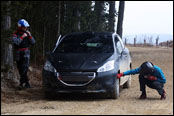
[(150, 75), (22, 39)]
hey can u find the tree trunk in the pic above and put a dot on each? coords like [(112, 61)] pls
[(112, 15), (7, 56), (43, 43), (120, 18), (59, 18), (99, 10), (78, 21), (8, 77)]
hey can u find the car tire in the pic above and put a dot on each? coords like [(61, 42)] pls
[(115, 92), (128, 83)]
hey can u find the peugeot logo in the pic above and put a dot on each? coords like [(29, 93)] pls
[(60, 61), (94, 62)]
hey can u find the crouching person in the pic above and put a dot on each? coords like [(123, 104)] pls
[(150, 75)]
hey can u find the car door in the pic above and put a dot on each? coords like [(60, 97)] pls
[(123, 57)]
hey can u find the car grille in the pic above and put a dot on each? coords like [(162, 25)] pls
[(76, 78)]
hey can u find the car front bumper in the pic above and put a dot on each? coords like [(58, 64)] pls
[(103, 82)]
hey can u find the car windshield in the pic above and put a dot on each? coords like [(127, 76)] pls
[(86, 43)]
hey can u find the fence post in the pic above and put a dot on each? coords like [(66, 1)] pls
[(125, 41), (134, 42), (167, 43), (144, 42), (157, 41)]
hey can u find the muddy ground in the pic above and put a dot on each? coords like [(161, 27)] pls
[(32, 101)]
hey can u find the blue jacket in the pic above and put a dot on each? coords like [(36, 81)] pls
[(158, 73)]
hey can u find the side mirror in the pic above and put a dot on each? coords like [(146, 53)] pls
[(125, 51)]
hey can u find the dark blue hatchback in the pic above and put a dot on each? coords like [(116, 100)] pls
[(87, 62)]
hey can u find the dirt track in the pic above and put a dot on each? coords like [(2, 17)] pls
[(31, 101)]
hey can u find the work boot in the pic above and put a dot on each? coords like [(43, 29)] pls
[(21, 86), (27, 85), (163, 96), (143, 96)]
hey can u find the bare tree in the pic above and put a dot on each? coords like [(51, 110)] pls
[(151, 40)]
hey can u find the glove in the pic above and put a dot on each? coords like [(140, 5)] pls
[(152, 78), (28, 33), (119, 75), (23, 36)]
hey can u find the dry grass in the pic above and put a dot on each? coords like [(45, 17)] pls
[(162, 57), (31, 101)]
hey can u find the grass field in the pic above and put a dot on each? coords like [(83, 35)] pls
[(162, 57)]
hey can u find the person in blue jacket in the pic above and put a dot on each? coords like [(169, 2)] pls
[(150, 75)]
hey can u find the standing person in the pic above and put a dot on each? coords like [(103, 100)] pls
[(150, 75), (22, 39)]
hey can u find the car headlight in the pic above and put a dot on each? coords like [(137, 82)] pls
[(107, 66), (48, 66)]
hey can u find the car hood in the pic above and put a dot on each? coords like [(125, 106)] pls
[(79, 62)]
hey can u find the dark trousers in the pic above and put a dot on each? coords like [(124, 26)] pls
[(22, 60), (152, 84)]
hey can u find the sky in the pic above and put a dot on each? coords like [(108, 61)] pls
[(148, 17)]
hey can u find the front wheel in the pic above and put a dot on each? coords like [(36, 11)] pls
[(115, 92)]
